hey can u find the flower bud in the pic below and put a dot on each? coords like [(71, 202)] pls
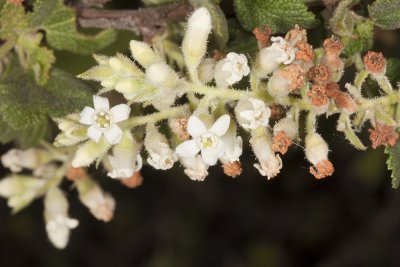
[(100, 204), (316, 148), (58, 224), (143, 53), (72, 132), (161, 75), (252, 113), (194, 45), (89, 152), (124, 67), (20, 190), (126, 159), (161, 156), (206, 70), (195, 167), (16, 159), (269, 164)]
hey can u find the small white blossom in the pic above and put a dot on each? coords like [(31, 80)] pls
[(252, 113), (103, 120), (195, 167), (269, 164), (231, 69), (208, 141), (161, 156), (58, 224)]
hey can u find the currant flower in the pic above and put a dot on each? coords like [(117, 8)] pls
[(103, 120), (206, 141), (231, 69), (252, 113), (195, 167), (233, 145)]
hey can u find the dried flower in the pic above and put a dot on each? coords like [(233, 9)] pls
[(317, 153), (305, 52), (333, 46), (134, 181), (232, 169), (281, 142), (323, 169), (383, 134), (262, 34), (320, 74), (195, 167), (375, 62), (179, 127), (317, 95), (296, 35)]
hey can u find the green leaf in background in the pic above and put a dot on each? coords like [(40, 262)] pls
[(37, 58), (59, 22), (393, 70), (14, 16), (279, 15), (385, 14), (220, 26), (25, 106), (393, 163)]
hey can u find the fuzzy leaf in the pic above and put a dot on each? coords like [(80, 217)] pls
[(279, 15), (220, 26), (61, 31), (24, 104), (385, 14), (14, 16), (393, 70), (393, 163)]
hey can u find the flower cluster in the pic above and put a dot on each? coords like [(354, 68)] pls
[(287, 75)]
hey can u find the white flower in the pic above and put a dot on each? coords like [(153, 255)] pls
[(269, 164), (279, 52), (195, 167), (16, 159), (103, 120), (252, 113), (161, 156), (58, 224), (126, 159), (233, 145), (231, 69), (207, 141)]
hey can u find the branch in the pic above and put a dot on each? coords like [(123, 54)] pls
[(143, 21)]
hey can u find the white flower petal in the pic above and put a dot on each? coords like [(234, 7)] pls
[(94, 133), (221, 125), (120, 112), (195, 127), (113, 134), (87, 116), (187, 149), (100, 103), (209, 156)]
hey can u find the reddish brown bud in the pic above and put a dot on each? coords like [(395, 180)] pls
[(281, 142), (383, 135), (263, 34), (323, 169), (232, 169), (305, 52), (320, 74), (317, 95), (375, 62), (134, 181)]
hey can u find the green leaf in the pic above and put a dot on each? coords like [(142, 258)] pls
[(393, 163), (393, 70), (24, 104), (61, 31), (385, 14), (37, 58), (279, 15), (14, 16), (220, 26)]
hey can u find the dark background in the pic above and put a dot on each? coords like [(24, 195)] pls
[(349, 219)]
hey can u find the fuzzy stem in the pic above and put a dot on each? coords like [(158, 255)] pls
[(217, 92), (311, 121), (155, 117)]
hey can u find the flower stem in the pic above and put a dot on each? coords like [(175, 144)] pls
[(155, 117), (217, 92)]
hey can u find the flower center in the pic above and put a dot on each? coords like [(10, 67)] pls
[(103, 119), (208, 141)]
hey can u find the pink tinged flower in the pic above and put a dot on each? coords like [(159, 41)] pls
[(103, 120), (206, 141)]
